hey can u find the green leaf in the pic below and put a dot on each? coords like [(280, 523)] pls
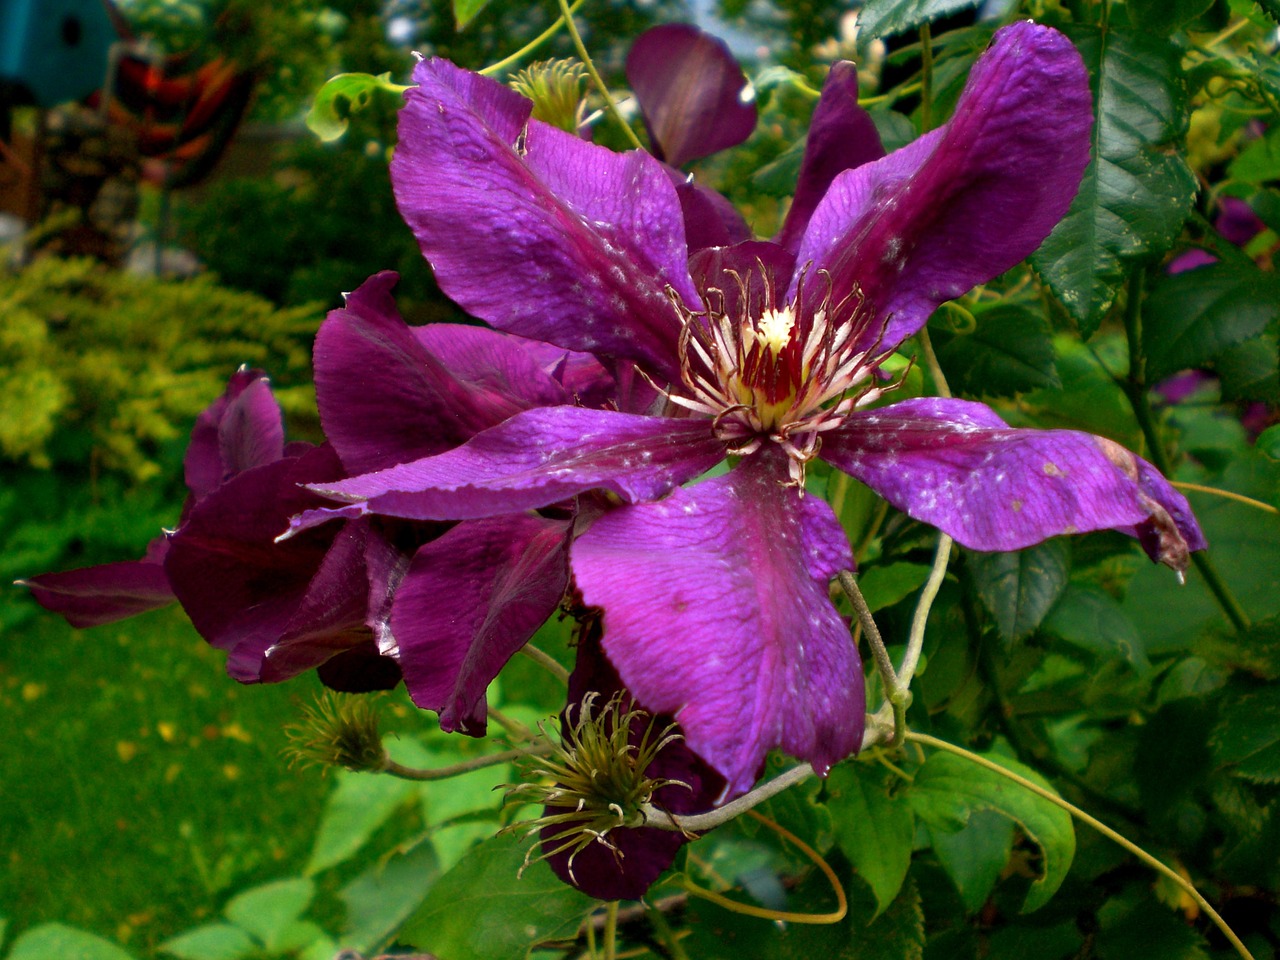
[(213, 941), (342, 96), (1091, 619), (777, 178), (883, 18), (1009, 352), (464, 11), (948, 789), (1251, 370), (55, 940), (1192, 317), (975, 855), (1255, 651), (1136, 193), (1165, 16), (1268, 442), (1247, 736), (1044, 943), (480, 910), (1259, 161), (884, 586), (1146, 930), (874, 829), (268, 911), (1020, 587), (359, 806), (384, 896)]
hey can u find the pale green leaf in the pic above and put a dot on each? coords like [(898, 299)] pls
[(213, 941), (883, 18), (269, 910), (342, 96), (874, 829), (55, 940), (948, 789)]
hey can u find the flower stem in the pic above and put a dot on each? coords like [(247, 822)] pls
[(532, 45), (701, 822), (926, 77), (782, 916), (610, 950), (1098, 825), (595, 74), (1136, 388), (466, 766), (1228, 494), (550, 664), (666, 935)]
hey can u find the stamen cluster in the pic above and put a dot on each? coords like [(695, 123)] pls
[(596, 776), (783, 372)]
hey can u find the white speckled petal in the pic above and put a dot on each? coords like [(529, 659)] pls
[(716, 610)]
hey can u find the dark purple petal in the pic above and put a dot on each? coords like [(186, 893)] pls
[(709, 219), (389, 394), (716, 610), (470, 600), (240, 430), (966, 202), (693, 96), (842, 136), (538, 458), (581, 375), (241, 589), (643, 853), (534, 230), (955, 465), (756, 262), (108, 592), (1190, 260), (1237, 222)]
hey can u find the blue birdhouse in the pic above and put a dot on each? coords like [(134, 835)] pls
[(54, 50)]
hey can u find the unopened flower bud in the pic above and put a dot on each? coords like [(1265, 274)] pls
[(555, 87), (338, 730)]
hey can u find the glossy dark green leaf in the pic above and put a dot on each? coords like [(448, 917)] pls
[(1147, 930), (1019, 588), (975, 855), (343, 95), (385, 895), (883, 18), (1251, 370), (480, 910), (1165, 16), (1137, 191), (874, 829), (1247, 737), (777, 178), (1255, 651), (1010, 351), (948, 789), (1091, 619), (1090, 398), (1193, 317), (895, 934)]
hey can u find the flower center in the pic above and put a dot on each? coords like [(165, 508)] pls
[(782, 372)]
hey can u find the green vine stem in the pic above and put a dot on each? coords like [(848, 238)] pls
[(466, 766), (610, 949), (1118, 838), (496, 68), (587, 62), (926, 77), (546, 661), (1136, 388)]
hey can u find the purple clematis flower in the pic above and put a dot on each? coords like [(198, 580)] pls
[(715, 596)]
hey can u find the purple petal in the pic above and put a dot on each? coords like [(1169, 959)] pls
[(692, 94), (964, 203), (756, 262), (582, 376), (842, 136), (241, 589), (1190, 260), (108, 592), (716, 610), (470, 600), (389, 394), (643, 853), (710, 220), (538, 458), (1237, 222), (536, 231), (240, 430), (955, 465)]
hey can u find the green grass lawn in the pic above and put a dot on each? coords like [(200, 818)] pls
[(139, 785)]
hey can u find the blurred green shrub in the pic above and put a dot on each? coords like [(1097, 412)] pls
[(102, 368)]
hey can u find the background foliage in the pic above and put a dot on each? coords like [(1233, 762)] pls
[(1076, 663)]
